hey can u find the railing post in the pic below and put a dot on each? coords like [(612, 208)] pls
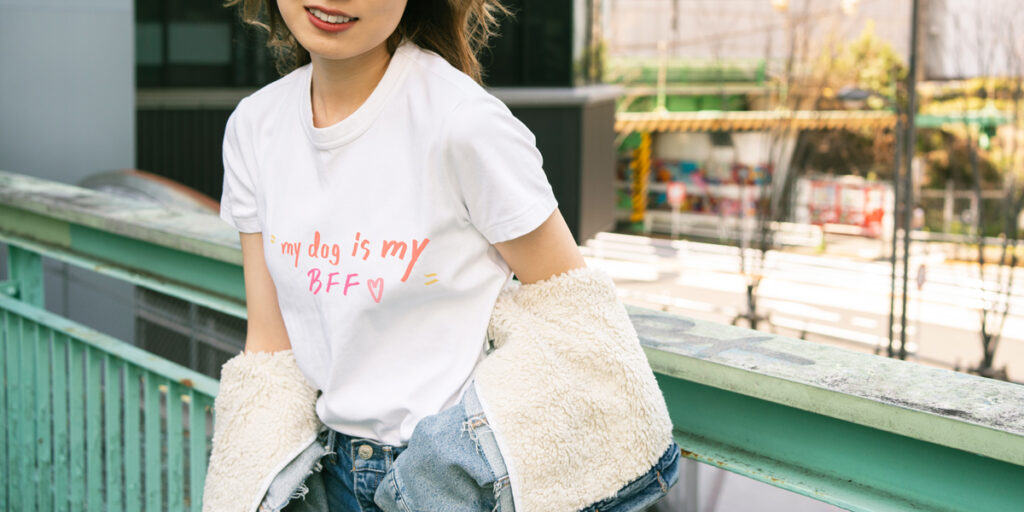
[(25, 270)]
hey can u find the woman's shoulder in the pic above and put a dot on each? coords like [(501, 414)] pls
[(434, 67), (461, 104), (447, 80), (271, 96)]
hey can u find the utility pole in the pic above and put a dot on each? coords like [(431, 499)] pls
[(896, 220), (908, 183)]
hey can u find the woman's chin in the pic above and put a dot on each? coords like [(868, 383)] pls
[(340, 51)]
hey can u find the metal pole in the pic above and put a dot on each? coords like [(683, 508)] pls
[(908, 183), (897, 141)]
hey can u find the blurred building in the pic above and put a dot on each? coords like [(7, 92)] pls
[(964, 39), (705, 77), (710, 81), (744, 29)]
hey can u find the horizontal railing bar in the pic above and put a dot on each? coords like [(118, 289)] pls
[(839, 462), (174, 289), (195, 233), (114, 347), (948, 408)]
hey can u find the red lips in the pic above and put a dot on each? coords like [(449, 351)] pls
[(327, 26)]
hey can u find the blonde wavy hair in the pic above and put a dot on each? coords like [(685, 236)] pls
[(455, 29)]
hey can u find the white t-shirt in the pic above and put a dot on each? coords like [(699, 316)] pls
[(377, 232)]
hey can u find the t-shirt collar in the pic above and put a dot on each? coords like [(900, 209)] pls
[(357, 122)]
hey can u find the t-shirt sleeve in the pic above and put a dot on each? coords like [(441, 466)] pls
[(496, 170), (238, 198)]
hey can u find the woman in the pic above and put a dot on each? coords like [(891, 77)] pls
[(383, 200)]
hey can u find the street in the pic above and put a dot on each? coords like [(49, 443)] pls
[(823, 298)]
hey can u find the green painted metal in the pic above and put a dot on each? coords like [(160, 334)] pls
[(4, 362), (112, 400), (76, 400), (132, 439), (856, 430), (42, 478), (9, 288), (26, 269), (835, 461), (229, 301), (947, 408), (34, 225), (25, 410), (12, 341), (198, 452), (97, 463), (198, 272), (93, 432), (59, 362), (113, 346), (154, 469), (61, 204), (175, 458), (192, 256)]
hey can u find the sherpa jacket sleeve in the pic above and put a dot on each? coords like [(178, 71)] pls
[(569, 393), (264, 416)]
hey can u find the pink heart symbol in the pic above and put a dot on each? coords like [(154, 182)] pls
[(379, 285)]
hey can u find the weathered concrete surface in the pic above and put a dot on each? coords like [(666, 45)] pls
[(205, 235), (953, 409)]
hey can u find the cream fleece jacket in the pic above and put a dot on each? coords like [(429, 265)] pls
[(568, 391), (264, 416), (573, 402)]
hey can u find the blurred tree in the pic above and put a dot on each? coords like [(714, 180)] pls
[(838, 152), (947, 157), (867, 63), (1001, 23)]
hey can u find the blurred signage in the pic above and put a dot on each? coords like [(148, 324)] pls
[(676, 193)]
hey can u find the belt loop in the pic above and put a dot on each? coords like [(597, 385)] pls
[(330, 445)]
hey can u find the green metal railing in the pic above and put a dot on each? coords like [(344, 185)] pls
[(89, 419), (855, 430)]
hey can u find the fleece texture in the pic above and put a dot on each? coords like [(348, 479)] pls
[(264, 416), (569, 392)]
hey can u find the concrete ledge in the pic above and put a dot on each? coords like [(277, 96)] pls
[(205, 235), (957, 410)]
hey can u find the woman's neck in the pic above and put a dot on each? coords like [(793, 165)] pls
[(339, 87)]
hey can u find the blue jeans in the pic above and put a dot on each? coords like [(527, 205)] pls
[(452, 464)]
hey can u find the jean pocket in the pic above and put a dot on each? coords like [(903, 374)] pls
[(441, 468), (388, 495)]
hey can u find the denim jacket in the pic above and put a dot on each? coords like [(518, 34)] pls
[(566, 366)]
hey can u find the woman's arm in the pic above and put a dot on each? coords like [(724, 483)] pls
[(546, 251), (265, 331)]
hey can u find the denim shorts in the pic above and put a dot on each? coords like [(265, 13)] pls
[(452, 464)]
